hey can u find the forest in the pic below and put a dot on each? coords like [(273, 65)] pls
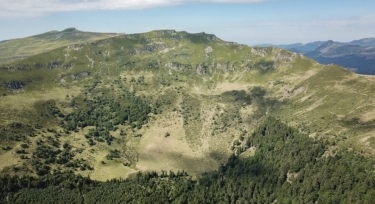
[(288, 167)]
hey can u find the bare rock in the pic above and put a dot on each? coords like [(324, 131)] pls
[(176, 66), (53, 64), (150, 48), (14, 85), (67, 65), (208, 49), (81, 74)]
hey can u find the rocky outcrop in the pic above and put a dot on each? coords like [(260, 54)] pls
[(201, 69), (81, 74), (164, 32), (241, 46), (286, 57), (14, 85), (75, 47), (178, 37), (38, 66), (204, 35), (211, 37), (176, 66), (221, 66), (52, 65), (227, 43), (91, 61), (19, 67), (208, 49), (260, 51), (281, 56), (150, 48), (67, 65)]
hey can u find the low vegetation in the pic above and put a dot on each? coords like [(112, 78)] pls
[(157, 113), (282, 170)]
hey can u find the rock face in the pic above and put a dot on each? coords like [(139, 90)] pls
[(221, 66), (176, 66), (164, 32), (201, 69), (260, 51), (14, 85), (81, 74), (150, 48), (52, 65), (208, 49), (67, 65)]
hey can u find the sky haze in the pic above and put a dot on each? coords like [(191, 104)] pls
[(243, 21)]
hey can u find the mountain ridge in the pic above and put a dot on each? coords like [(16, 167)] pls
[(169, 100), (17, 49), (356, 55)]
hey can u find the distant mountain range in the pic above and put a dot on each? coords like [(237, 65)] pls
[(357, 55)]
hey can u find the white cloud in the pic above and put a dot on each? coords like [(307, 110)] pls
[(31, 8)]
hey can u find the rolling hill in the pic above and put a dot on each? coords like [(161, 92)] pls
[(17, 49)]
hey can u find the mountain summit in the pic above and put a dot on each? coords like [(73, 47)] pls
[(17, 49)]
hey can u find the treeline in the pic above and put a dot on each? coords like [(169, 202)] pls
[(288, 167), (105, 114), (65, 179)]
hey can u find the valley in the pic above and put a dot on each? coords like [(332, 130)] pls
[(168, 101)]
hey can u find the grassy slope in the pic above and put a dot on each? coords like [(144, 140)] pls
[(18, 49), (197, 74)]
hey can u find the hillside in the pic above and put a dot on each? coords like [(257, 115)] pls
[(166, 100), (17, 49)]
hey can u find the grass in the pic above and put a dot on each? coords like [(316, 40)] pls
[(22, 48), (204, 112), (174, 152)]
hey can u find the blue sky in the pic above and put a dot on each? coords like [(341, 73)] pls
[(244, 21)]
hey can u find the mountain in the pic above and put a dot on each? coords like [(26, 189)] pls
[(354, 57), (13, 50), (357, 55), (186, 116), (363, 42), (301, 48)]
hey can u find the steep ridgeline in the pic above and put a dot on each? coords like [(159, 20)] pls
[(167, 100)]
